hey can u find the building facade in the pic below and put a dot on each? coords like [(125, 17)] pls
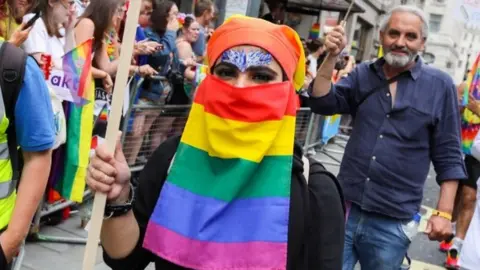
[(362, 28), (469, 50), (449, 40), (362, 24)]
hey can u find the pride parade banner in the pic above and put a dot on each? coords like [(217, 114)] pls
[(62, 84)]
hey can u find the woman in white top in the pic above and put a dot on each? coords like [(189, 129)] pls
[(470, 254), (316, 48), (52, 34), (48, 34), (187, 35)]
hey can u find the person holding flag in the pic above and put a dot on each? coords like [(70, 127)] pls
[(232, 192), (406, 117), (466, 194)]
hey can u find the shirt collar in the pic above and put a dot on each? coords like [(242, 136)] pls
[(414, 71)]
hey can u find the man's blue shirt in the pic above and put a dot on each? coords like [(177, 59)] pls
[(387, 158), (34, 119)]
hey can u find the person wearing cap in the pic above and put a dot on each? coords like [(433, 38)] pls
[(405, 118), (234, 191)]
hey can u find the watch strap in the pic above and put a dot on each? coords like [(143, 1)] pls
[(117, 210)]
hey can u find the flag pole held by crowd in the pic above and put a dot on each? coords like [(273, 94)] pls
[(342, 23), (112, 129)]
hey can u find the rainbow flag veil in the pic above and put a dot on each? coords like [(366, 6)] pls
[(225, 203)]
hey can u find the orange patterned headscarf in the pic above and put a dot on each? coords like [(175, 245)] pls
[(279, 40)]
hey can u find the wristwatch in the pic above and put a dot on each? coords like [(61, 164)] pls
[(442, 214), (117, 210)]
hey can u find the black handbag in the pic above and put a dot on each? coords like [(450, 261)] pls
[(176, 78)]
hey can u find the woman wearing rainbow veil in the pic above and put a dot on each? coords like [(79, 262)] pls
[(231, 192)]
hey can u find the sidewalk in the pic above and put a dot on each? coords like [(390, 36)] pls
[(53, 256)]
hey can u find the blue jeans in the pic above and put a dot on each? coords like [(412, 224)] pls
[(377, 241)]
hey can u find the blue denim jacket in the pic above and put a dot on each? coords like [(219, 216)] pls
[(161, 60)]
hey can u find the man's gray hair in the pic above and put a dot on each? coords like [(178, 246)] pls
[(410, 9)]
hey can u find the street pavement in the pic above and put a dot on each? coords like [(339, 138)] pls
[(61, 256)]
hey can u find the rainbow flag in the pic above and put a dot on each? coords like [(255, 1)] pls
[(470, 122), (330, 127), (79, 125), (232, 203), (77, 65), (314, 32), (472, 81), (103, 116), (200, 73)]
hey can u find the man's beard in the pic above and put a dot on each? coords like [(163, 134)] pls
[(399, 61)]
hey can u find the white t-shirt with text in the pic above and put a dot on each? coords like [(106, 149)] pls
[(39, 41)]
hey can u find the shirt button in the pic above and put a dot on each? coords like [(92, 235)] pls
[(368, 179), (381, 136), (388, 115), (374, 157), (388, 94)]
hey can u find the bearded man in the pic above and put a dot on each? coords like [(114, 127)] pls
[(406, 117)]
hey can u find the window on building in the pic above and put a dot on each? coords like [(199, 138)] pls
[(435, 23), (449, 64), (460, 64), (465, 36), (462, 50)]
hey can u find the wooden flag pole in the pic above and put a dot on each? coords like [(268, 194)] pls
[(343, 23), (112, 128)]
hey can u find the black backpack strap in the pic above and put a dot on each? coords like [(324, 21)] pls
[(317, 167), (12, 72), (304, 231), (300, 218)]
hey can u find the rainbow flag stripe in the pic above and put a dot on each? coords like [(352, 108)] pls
[(79, 125), (470, 126), (77, 68), (103, 116), (470, 122), (200, 73), (472, 81), (315, 31), (233, 202)]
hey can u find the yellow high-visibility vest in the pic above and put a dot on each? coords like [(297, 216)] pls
[(8, 194)]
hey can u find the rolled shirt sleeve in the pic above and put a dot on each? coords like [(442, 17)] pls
[(446, 151)]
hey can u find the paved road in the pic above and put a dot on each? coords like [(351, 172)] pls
[(54, 256)]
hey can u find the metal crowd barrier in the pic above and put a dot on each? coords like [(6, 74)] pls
[(315, 144)]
